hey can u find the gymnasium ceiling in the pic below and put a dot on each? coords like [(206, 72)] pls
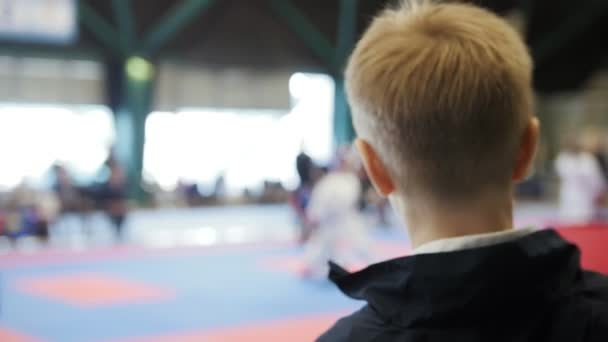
[(567, 38)]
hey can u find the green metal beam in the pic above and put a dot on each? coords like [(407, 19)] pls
[(347, 30), (173, 22), (126, 23), (137, 82), (139, 105), (312, 37), (347, 35), (100, 28), (343, 127)]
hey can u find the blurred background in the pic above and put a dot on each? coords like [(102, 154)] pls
[(157, 159)]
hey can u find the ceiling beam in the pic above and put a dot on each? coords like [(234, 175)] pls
[(100, 28), (126, 23), (346, 39), (179, 17), (314, 39), (347, 30)]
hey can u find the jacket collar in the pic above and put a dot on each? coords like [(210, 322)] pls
[(471, 241), (475, 283)]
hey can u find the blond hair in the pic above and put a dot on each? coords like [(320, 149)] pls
[(442, 92)]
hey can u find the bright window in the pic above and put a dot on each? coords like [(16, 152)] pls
[(247, 147), (34, 137)]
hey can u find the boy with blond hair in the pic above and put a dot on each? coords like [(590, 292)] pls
[(443, 107)]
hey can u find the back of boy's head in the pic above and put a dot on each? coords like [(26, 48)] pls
[(443, 93)]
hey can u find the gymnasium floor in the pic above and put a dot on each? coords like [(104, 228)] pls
[(224, 274)]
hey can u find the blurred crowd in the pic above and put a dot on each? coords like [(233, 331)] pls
[(581, 167), (32, 211), (189, 194)]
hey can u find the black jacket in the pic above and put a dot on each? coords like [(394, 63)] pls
[(530, 289)]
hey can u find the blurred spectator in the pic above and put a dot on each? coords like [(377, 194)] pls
[(67, 193), (299, 200), (308, 173), (71, 201), (28, 213), (219, 188), (273, 192), (304, 165), (189, 192), (594, 142), (113, 196), (341, 232), (582, 183), (73, 204)]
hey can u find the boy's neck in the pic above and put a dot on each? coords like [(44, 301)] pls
[(428, 220)]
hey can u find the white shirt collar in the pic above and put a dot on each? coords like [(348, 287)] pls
[(471, 241)]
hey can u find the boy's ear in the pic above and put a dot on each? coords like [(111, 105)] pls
[(376, 170), (527, 150)]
